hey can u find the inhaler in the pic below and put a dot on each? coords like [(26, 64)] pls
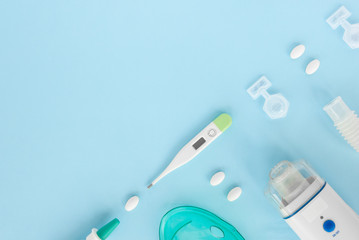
[(309, 205)]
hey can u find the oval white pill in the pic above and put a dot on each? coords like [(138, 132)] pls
[(312, 67), (217, 178), (132, 203), (297, 51), (234, 194)]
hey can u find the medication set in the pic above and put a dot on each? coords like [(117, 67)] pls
[(306, 202)]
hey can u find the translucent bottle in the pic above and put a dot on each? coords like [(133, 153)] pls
[(345, 120), (351, 34)]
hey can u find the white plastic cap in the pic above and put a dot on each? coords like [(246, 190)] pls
[(93, 235), (337, 110), (337, 18)]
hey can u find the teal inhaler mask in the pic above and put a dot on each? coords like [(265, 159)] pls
[(191, 223)]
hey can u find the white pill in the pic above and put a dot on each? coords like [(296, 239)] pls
[(234, 194), (217, 178), (297, 51), (132, 203), (312, 67)]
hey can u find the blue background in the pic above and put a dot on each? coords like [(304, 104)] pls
[(96, 97)]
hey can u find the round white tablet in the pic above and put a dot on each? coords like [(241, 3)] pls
[(312, 67), (132, 203), (297, 51), (217, 178), (234, 194)]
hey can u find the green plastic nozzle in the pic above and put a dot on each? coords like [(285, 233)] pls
[(106, 230)]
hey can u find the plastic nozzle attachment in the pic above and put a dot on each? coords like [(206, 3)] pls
[(276, 106), (345, 120), (292, 185), (338, 17), (106, 230), (287, 180), (337, 110)]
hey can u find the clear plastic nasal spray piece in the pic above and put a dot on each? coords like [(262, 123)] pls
[(276, 105), (351, 34), (345, 120)]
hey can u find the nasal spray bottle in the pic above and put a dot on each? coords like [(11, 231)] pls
[(104, 232), (309, 205)]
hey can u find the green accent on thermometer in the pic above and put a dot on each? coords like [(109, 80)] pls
[(223, 121), (197, 144)]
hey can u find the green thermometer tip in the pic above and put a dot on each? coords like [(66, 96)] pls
[(223, 121)]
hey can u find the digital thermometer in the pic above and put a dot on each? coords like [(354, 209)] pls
[(197, 144)]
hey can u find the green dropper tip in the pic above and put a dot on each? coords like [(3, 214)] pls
[(106, 230)]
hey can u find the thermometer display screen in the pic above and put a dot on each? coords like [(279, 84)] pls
[(199, 143)]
